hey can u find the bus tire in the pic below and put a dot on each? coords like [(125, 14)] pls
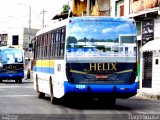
[(39, 94), (112, 102), (16, 81), (1, 80), (52, 98), (20, 80)]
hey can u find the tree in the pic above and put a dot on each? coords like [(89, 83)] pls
[(65, 9), (85, 40), (71, 39)]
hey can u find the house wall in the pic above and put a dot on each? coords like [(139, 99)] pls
[(156, 55), (157, 28), (156, 70), (78, 7), (140, 5), (15, 31), (101, 8), (95, 11), (115, 7)]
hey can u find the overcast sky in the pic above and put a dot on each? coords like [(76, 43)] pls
[(16, 12)]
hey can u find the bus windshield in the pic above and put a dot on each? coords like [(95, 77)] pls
[(10, 56), (101, 40)]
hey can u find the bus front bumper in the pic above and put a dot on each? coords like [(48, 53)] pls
[(11, 76), (120, 91)]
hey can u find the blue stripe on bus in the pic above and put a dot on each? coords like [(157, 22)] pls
[(44, 70)]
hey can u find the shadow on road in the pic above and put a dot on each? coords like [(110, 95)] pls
[(91, 104), (88, 104)]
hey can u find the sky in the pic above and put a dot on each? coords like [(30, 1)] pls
[(15, 13), (101, 30)]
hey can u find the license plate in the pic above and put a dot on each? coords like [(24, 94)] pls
[(102, 76)]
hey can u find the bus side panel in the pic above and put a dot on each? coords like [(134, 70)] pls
[(50, 69), (59, 78), (40, 73)]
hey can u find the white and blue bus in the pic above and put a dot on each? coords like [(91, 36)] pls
[(11, 64), (90, 56)]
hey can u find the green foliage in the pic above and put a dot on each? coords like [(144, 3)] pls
[(101, 48), (71, 39), (65, 9)]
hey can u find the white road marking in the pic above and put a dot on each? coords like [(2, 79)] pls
[(17, 95), (16, 87)]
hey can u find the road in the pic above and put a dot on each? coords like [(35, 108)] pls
[(19, 101)]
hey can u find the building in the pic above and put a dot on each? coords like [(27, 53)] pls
[(90, 7), (87, 8), (19, 37), (147, 16), (120, 8), (3, 38)]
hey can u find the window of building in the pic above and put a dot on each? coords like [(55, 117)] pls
[(135, 0), (157, 61), (15, 39), (119, 11)]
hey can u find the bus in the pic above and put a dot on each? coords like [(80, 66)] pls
[(11, 64), (86, 56)]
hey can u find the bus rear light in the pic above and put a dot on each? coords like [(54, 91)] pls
[(126, 88)]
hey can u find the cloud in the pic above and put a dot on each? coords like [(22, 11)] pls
[(106, 30), (122, 27), (95, 30), (76, 29)]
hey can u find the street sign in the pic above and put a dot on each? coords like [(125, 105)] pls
[(147, 31)]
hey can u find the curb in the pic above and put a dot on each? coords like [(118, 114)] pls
[(146, 95)]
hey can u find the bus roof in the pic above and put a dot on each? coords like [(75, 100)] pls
[(53, 26), (84, 18)]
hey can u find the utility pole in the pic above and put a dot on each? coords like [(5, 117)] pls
[(43, 12), (29, 29), (29, 40)]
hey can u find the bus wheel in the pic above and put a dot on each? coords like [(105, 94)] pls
[(16, 81), (52, 98), (1, 81), (20, 80), (39, 94), (112, 101)]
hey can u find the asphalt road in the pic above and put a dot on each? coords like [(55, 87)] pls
[(19, 101)]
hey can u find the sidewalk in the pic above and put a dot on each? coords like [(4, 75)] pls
[(149, 94)]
